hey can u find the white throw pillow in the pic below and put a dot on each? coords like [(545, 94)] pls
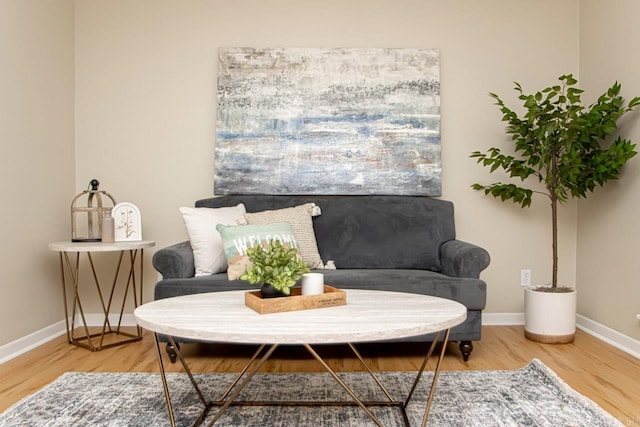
[(208, 253)]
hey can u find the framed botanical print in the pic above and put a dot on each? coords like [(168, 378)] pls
[(127, 222)]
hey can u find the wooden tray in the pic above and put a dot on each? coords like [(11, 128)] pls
[(330, 298)]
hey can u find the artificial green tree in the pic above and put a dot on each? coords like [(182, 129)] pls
[(562, 144)]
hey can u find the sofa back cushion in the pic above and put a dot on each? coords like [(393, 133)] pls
[(367, 231)]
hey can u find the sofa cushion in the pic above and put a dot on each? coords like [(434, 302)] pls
[(368, 231), (208, 254), (237, 239), (301, 222), (472, 293), (384, 232)]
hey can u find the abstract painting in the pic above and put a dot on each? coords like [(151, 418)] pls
[(328, 121)]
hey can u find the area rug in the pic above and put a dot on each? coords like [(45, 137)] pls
[(531, 396)]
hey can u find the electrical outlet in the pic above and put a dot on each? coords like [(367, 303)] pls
[(525, 278)]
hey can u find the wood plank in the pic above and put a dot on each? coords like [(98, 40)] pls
[(598, 370)]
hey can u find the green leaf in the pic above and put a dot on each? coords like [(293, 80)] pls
[(559, 142), (276, 264)]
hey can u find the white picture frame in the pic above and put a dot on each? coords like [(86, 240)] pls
[(127, 222)]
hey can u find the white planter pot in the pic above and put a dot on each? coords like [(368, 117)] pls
[(550, 317)]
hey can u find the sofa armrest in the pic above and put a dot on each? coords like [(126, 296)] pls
[(462, 259), (175, 261)]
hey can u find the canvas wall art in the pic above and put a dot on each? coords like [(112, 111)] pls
[(328, 121)]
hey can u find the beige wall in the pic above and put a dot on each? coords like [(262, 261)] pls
[(145, 85), (608, 256), (36, 158)]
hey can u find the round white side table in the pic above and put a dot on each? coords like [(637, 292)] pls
[(70, 272)]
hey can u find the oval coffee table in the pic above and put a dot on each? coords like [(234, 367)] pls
[(368, 316)]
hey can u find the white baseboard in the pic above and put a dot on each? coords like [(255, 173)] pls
[(610, 336), (598, 330), (97, 319), (31, 341), (35, 339), (502, 319)]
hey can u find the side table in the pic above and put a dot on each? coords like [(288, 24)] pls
[(70, 269)]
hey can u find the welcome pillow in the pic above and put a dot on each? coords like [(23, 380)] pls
[(302, 224), (236, 240), (208, 253)]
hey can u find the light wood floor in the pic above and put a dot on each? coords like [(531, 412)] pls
[(603, 373)]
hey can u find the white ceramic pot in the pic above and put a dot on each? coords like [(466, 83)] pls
[(550, 317)]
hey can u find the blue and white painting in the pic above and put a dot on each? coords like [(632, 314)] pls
[(328, 121)]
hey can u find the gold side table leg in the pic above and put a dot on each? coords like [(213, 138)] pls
[(74, 274), (130, 286), (134, 255), (107, 322), (106, 326), (132, 283), (64, 297), (70, 277), (96, 281)]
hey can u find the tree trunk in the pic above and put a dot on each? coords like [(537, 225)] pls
[(554, 216), (554, 239)]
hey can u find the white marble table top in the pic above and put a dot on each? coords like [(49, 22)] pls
[(367, 316), (69, 246)]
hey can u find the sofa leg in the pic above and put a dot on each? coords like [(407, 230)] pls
[(171, 351), (466, 347)]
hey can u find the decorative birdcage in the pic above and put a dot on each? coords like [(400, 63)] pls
[(86, 220)]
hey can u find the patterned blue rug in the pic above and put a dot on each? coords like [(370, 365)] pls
[(531, 396)]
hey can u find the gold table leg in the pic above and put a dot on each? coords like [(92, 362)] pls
[(165, 387), (436, 373), (229, 398), (71, 270)]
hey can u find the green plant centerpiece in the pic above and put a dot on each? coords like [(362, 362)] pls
[(275, 264), (562, 144)]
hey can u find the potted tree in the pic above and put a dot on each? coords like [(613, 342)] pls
[(567, 148), (275, 267)]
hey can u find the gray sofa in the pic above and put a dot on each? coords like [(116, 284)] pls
[(394, 243)]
